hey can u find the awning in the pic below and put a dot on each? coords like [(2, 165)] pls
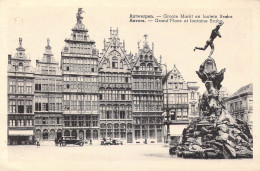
[(176, 130), (20, 132)]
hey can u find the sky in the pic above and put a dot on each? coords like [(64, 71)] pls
[(173, 41)]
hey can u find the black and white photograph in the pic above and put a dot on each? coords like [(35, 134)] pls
[(128, 85)]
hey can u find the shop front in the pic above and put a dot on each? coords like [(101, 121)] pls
[(20, 137)]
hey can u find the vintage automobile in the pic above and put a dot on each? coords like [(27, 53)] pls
[(117, 142), (70, 140), (110, 141)]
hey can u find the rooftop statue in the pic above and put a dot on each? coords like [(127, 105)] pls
[(79, 17), (214, 34)]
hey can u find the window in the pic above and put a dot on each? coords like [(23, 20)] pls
[(11, 122), (192, 95), (122, 96), (193, 109), (37, 106), (122, 114), (12, 106), (44, 69), (29, 87), (126, 79), (20, 67), (68, 68), (44, 121), (20, 106), (92, 70), (28, 106), (181, 86), (114, 64), (108, 115), (175, 85), (20, 87), (12, 88)]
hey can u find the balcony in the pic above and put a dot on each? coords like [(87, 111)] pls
[(176, 106), (146, 73), (115, 85)]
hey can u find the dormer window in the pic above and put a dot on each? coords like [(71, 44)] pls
[(20, 67), (114, 62)]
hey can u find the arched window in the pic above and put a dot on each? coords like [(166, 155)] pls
[(123, 131), (45, 134), (52, 134), (95, 134), (116, 130), (109, 130), (38, 134), (88, 134), (66, 133), (150, 67), (142, 66), (81, 134), (74, 133), (20, 67)]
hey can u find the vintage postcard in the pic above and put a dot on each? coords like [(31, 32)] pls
[(112, 85)]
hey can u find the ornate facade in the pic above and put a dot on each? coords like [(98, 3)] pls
[(115, 90), (20, 97), (79, 65), (48, 97), (93, 95), (183, 99), (147, 96)]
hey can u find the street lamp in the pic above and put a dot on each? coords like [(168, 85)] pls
[(167, 107)]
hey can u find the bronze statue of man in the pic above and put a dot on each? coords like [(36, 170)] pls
[(214, 34)]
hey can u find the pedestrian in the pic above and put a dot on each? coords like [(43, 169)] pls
[(60, 141), (38, 144)]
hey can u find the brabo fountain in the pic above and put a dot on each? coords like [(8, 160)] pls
[(215, 134)]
